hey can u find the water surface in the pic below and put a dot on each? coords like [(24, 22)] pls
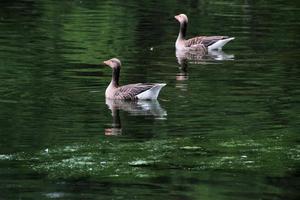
[(226, 126)]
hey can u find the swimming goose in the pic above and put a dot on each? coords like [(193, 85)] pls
[(131, 91), (202, 43)]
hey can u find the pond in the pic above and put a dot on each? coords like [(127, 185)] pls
[(226, 125)]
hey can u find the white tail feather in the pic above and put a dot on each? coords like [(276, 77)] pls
[(218, 45), (152, 93)]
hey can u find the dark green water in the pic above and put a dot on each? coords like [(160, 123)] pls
[(226, 126)]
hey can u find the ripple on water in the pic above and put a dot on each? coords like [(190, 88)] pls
[(6, 157)]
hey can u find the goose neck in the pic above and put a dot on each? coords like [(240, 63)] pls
[(115, 77), (182, 30)]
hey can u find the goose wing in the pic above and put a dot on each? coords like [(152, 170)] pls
[(131, 91), (195, 43), (204, 40)]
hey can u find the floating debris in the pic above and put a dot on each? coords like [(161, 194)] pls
[(190, 148), (140, 163)]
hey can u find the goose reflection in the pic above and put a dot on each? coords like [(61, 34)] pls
[(220, 55), (196, 57), (134, 108), (201, 57)]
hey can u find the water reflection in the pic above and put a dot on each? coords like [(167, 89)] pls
[(116, 127), (220, 55), (201, 57), (134, 108), (198, 57), (183, 74), (232, 135)]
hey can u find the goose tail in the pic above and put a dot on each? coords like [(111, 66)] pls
[(219, 44), (153, 92)]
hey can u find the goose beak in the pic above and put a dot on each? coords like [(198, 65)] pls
[(176, 17), (107, 62)]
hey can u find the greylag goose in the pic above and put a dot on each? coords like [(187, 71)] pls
[(200, 43), (131, 91)]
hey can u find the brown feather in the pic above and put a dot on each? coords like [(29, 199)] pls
[(131, 91), (204, 40)]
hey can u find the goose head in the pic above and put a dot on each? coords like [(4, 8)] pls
[(114, 63), (182, 18)]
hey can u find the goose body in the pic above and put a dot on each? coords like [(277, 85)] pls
[(200, 43), (132, 91)]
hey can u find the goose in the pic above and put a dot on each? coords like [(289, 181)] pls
[(200, 43), (144, 91)]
